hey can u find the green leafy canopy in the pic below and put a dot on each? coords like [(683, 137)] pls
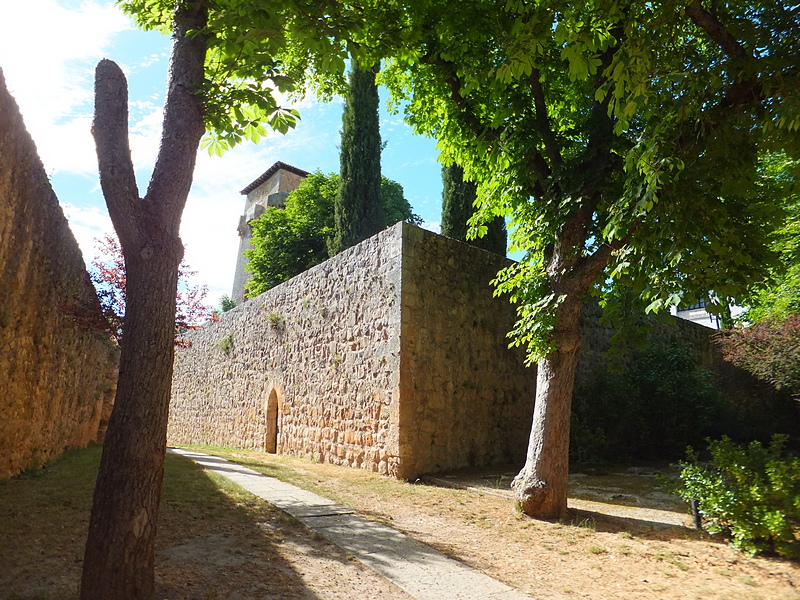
[(623, 140), (258, 58), (287, 241)]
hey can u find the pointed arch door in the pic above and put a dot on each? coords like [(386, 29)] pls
[(271, 437)]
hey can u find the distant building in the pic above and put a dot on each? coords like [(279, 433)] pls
[(696, 313), (270, 189)]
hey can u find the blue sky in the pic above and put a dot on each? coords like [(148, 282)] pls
[(48, 51)]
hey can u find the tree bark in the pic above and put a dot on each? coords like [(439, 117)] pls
[(119, 557), (541, 487), (118, 562)]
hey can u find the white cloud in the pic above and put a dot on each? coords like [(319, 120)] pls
[(144, 138), (66, 147), (434, 226), (87, 224), (48, 53), (208, 230)]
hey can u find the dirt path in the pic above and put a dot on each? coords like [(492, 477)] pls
[(593, 556)]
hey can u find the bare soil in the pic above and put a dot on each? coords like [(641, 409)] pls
[(636, 555), (218, 542)]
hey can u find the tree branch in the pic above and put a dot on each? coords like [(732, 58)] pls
[(591, 266), (468, 115), (110, 132), (543, 120), (709, 23), (541, 169), (741, 91), (183, 116)]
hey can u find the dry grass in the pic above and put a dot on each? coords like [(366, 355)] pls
[(590, 554), (215, 540)]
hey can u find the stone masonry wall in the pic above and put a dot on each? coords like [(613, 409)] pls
[(392, 357), (354, 383), (55, 379), (466, 399), (324, 346)]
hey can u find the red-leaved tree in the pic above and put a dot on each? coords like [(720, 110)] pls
[(108, 277), (769, 349)]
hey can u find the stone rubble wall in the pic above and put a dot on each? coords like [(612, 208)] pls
[(56, 380), (356, 386), (661, 330), (392, 357), (324, 344), (466, 398)]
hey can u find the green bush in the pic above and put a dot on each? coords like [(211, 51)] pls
[(750, 494), (662, 403)]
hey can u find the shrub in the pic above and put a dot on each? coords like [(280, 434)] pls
[(750, 494), (769, 349), (662, 402)]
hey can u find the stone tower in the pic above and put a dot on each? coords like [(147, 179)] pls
[(270, 189)]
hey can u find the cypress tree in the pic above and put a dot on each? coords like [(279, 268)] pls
[(357, 212), (458, 205)]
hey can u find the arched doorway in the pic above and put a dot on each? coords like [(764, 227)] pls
[(271, 437)]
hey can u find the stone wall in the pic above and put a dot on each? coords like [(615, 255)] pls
[(55, 379), (662, 330), (324, 348), (391, 357), (467, 397)]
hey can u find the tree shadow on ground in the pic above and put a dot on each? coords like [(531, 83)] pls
[(641, 528), (211, 543), (218, 541)]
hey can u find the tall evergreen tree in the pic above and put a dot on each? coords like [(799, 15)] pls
[(358, 213), (458, 205), (287, 241)]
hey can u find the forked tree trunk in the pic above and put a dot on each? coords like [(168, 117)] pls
[(118, 562), (541, 487)]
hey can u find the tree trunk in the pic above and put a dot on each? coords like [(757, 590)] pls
[(118, 562), (119, 550), (541, 487)]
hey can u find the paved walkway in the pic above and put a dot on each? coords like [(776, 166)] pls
[(416, 568)]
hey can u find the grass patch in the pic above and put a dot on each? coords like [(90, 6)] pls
[(670, 558), (45, 518), (43, 525)]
